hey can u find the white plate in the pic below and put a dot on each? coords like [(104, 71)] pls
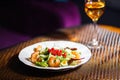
[(26, 53)]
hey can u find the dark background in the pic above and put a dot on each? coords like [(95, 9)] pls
[(111, 15)]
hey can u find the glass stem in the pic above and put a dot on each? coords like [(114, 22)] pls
[(94, 40)]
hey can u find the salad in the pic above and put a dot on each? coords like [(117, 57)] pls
[(55, 57)]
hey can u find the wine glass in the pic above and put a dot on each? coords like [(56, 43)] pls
[(94, 9)]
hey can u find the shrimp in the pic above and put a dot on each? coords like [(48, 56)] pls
[(34, 57), (53, 62), (38, 48), (77, 55)]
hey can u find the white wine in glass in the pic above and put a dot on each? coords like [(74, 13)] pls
[(94, 9)]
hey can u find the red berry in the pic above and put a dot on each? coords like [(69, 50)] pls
[(64, 55), (49, 50)]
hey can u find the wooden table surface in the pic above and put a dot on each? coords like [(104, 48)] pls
[(103, 65)]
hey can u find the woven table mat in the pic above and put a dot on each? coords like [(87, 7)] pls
[(103, 65)]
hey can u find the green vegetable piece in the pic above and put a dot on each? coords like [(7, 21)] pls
[(45, 52), (42, 64)]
